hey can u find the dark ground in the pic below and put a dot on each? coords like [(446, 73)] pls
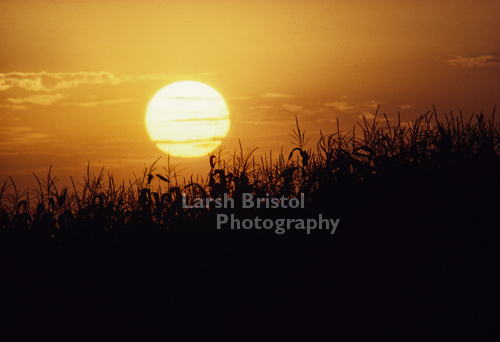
[(409, 264)]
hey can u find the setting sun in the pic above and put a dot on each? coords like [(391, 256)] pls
[(187, 118)]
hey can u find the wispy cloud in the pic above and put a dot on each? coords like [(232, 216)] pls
[(471, 62), (346, 106), (406, 106), (238, 98), (50, 99), (355, 110), (104, 102), (20, 135), (18, 107), (48, 82), (342, 106), (291, 107), (45, 81), (44, 100), (367, 115), (275, 95)]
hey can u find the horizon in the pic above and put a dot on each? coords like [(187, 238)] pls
[(76, 78)]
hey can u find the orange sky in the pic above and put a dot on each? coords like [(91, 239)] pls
[(76, 77)]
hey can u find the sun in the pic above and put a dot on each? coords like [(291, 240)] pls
[(187, 119)]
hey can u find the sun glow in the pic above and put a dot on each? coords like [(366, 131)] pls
[(187, 119)]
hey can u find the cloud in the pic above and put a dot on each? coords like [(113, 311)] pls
[(44, 100), (367, 115), (291, 107), (355, 110), (405, 106), (48, 82), (238, 98), (471, 62), (50, 99), (20, 135), (18, 107), (373, 104), (98, 103), (345, 106), (275, 95), (342, 106), (45, 81)]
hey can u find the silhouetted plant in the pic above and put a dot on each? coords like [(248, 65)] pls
[(340, 166)]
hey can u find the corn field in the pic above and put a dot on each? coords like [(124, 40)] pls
[(341, 167), (415, 255)]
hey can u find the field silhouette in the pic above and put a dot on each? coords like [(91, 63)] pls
[(414, 257)]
